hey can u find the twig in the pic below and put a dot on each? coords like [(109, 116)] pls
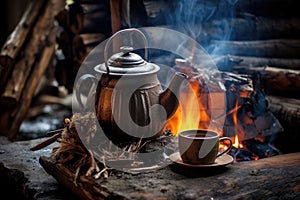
[(46, 142)]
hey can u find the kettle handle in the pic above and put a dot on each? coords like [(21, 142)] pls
[(109, 41), (77, 91)]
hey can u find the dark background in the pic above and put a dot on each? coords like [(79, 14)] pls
[(11, 12)]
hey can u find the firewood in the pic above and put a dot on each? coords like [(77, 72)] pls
[(266, 8), (280, 48), (22, 68), (285, 63), (288, 109), (17, 38), (274, 80), (29, 89), (248, 28), (19, 113), (11, 118), (160, 11), (92, 39), (71, 18)]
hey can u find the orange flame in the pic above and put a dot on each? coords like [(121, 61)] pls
[(236, 139), (187, 115), (236, 142), (193, 112)]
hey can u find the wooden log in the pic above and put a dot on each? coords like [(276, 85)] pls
[(160, 11), (248, 28), (71, 18), (16, 40), (265, 8), (92, 39), (278, 48), (250, 61), (12, 118), (19, 113), (277, 177), (22, 68), (276, 81), (240, 29), (287, 111)]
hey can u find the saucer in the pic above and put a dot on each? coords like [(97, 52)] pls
[(221, 161)]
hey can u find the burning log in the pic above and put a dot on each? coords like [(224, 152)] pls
[(280, 48), (12, 47), (28, 71)]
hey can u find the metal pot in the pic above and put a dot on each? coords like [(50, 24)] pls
[(130, 102)]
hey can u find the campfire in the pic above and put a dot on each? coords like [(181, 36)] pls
[(240, 111)]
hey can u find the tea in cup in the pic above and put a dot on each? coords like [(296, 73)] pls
[(201, 146)]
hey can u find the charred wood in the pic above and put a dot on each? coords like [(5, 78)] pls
[(276, 81), (287, 111)]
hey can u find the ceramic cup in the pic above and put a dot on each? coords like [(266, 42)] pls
[(200, 146)]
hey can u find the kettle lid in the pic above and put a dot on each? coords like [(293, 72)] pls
[(127, 62)]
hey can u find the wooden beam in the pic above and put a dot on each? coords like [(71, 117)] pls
[(274, 177)]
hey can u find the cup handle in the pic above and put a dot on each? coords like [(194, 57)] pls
[(228, 148), (78, 87)]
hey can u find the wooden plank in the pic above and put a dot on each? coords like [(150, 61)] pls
[(274, 177)]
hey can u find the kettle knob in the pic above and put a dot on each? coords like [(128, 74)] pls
[(126, 49)]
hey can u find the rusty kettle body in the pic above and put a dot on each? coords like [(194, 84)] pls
[(130, 102)]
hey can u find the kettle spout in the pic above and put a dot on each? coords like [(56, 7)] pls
[(169, 98)]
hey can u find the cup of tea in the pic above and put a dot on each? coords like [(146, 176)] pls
[(201, 146)]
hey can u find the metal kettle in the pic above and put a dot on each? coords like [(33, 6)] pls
[(130, 103)]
